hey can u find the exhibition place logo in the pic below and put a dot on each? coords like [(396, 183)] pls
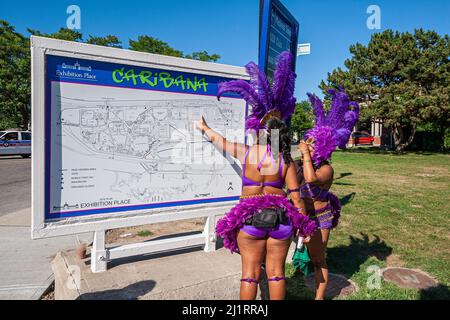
[(146, 77), (75, 71)]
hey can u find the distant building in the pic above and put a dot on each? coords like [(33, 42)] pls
[(381, 133)]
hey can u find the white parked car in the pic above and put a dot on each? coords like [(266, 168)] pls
[(15, 143)]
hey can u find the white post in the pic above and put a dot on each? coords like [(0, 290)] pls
[(99, 255), (210, 234)]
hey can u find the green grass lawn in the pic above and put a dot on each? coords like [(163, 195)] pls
[(395, 212)]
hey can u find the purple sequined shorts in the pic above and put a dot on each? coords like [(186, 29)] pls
[(325, 217), (280, 232)]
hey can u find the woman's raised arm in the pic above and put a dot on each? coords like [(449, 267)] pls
[(322, 176), (235, 149)]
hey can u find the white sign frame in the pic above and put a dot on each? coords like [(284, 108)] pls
[(98, 223)]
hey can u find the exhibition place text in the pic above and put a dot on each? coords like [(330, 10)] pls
[(106, 203), (147, 77), (230, 310)]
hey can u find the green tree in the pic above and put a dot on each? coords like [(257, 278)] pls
[(62, 34), (153, 45), (203, 56), (108, 41), (14, 78), (400, 78), (302, 119)]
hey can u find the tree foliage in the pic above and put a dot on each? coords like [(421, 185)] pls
[(153, 45), (62, 34), (107, 41), (14, 78), (400, 78), (302, 118), (203, 56)]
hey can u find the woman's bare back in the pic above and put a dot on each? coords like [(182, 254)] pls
[(268, 173)]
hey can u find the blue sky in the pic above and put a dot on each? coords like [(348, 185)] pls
[(230, 27)]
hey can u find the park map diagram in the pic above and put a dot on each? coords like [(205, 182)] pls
[(144, 150)]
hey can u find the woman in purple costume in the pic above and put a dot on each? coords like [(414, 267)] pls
[(315, 174), (266, 168)]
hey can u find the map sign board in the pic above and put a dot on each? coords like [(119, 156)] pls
[(114, 137), (278, 32)]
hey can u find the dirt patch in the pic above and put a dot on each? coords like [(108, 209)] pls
[(409, 278), (394, 260), (150, 231), (338, 285)]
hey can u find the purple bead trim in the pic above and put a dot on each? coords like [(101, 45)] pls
[(277, 279), (293, 190), (249, 280), (309, 190), (318, 211)]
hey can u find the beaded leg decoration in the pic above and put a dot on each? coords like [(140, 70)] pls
[(276, 279), (249, 280)]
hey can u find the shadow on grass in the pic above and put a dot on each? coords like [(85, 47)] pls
[(371, 150), (343, 183), (296, 288), (347, 259), (441, 292), (343, 175), (346, 199)]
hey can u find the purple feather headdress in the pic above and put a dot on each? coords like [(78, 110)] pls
[(333, 129), (266, 100)]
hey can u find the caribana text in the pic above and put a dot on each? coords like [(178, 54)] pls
[(153, 79)]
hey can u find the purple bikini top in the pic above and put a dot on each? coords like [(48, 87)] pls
[(246, 182)]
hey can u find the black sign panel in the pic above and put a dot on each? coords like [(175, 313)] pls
[(278, 33)]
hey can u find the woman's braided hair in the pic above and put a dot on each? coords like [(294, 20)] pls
[(284, 138)]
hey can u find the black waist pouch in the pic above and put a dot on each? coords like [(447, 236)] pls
[(267, 218)]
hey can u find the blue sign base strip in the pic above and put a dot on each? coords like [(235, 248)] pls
[(89, 72), (138, 207)]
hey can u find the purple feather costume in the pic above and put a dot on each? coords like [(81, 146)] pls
[(228, 226), (264, 100), (333, 129), (330, 131)]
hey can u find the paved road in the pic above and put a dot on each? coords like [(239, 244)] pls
[(15, 184), (25, 270)]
